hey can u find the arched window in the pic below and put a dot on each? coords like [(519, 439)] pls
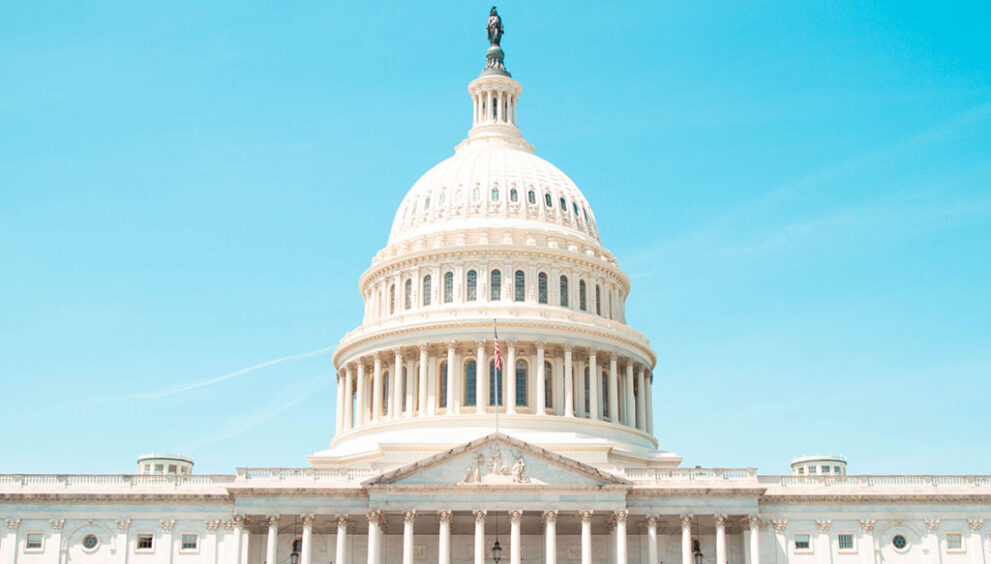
[(402, 388), (385, 390), (470, 383), (448, 287), (495, 383), (426, 204), (581, 294), (471, 286), (443, 385), (547, 200), (520, 293), (542, 288), (598, 300), (548, 387), (585, 387), (392, 299), (564, 291), (495, 285), (495, 194), (513, 196), (531, 197), (426, 290), (564, 205), (409, 293), (521, 382), (574, 206), (605, 394), (475, 194)]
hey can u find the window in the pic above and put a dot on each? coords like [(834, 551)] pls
[(604, 394), (495, 194), (520, 282), (513, 197), (802, 542), (954, 541), (409, 293), (392, 299), (32, 541), (585, 210), (188, 541), (475, 194), (586, 394), (845, 541), (531, 197), (495, 285), (836, 470), (801, 470), (824, 470), (542, 288), (440, 199), (564, 291), (145, 541), (581, 294), (899, 542), (472, 286), (521, 383), (547, 200), (548, 388), (426, 204), (159, 468), (564, 205), (297, 545), (90, 541), (426, 290), (598, 300), (574, 206), (495, 383), (470, 383), (448, 287), (386, 381), (443, 384)]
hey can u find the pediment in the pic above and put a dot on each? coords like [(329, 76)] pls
[(496, 460)]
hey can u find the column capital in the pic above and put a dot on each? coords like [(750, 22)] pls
[(686, 520), (398, 351), (569, 348), (586, 515), (479, 515), (12, 524), (343, 521), (720, 519), (445, 515), (452, 345), (867, 525), (781, 524), (510, 344), (409, 515), (229, 526), (651, 520), (56, 524), (212, 524), (931, 524), (540, 345), (307, 519), (613, 356), (975, 524), (167, 525), (824, 524), (122, 525), (621, 515), (549, 516), (377, 356), (423, 348), (515, 515), (272, 519)]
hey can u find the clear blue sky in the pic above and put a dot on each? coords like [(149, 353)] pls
[(799, 191)]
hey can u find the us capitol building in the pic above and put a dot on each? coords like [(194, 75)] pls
[(454, 448)]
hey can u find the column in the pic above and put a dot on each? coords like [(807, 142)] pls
[(409, 516), (306, 553), (754, 539), (586, 517), (509, 378), (245, 555), (652, 539), (422, 387), (453, 397), (613, 390), (541, 380), (515, 516), (374, 532), (650, 402), (342, 539), (932, 539), (621, 516), (641, 422), (550, 537), (123, 525), (236, 525), (56, 539), (444, 537), (339, 412), (348, 400), (781, 550), (975, 543), (10, 541), (479, 536), (595, 411), (271, 551), (686, 539), (361, 394), (481, 378), (823, 547), (631, 404), (720, 535), (377, 387), (396, 402), (168, 525), (569, 384)]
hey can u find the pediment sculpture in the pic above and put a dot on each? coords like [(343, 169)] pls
[(496, 468)]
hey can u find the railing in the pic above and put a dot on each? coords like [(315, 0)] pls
[(130, 480), (306, 474), (693, 474), (875, 481)]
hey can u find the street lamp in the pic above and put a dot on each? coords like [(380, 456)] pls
[(697, 545), (496, 552)]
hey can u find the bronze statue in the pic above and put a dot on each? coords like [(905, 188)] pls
[(494, 27)]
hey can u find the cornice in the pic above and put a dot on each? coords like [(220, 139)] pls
[(72, 497), (876, 498)]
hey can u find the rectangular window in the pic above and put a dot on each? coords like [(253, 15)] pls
[(954, 541), (836, 470), (32, 541), (845, 541), (824, 470), (470, 383), (189, 541), (159, 468), (801, 470), (145, 541), (172, 469), (802, 542)]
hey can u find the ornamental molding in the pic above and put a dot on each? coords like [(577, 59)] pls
[(823, 525), (445, 516), (409, 516), (229, 526), (975, 524), (867, 525), (307, 519), (779, 525), (874, 498), (651, 520), (515, 515), (479, 515), (549, 516), (13, 524), (586, 515), (621, 515), (122, 525), (720, 519), (56, 525), (212, 524), (167, 525), (686, 520), (932, 525)]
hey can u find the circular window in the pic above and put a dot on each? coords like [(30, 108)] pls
[(90, 541), (899, 542)]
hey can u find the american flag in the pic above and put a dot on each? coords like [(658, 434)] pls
[(498, 357)]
